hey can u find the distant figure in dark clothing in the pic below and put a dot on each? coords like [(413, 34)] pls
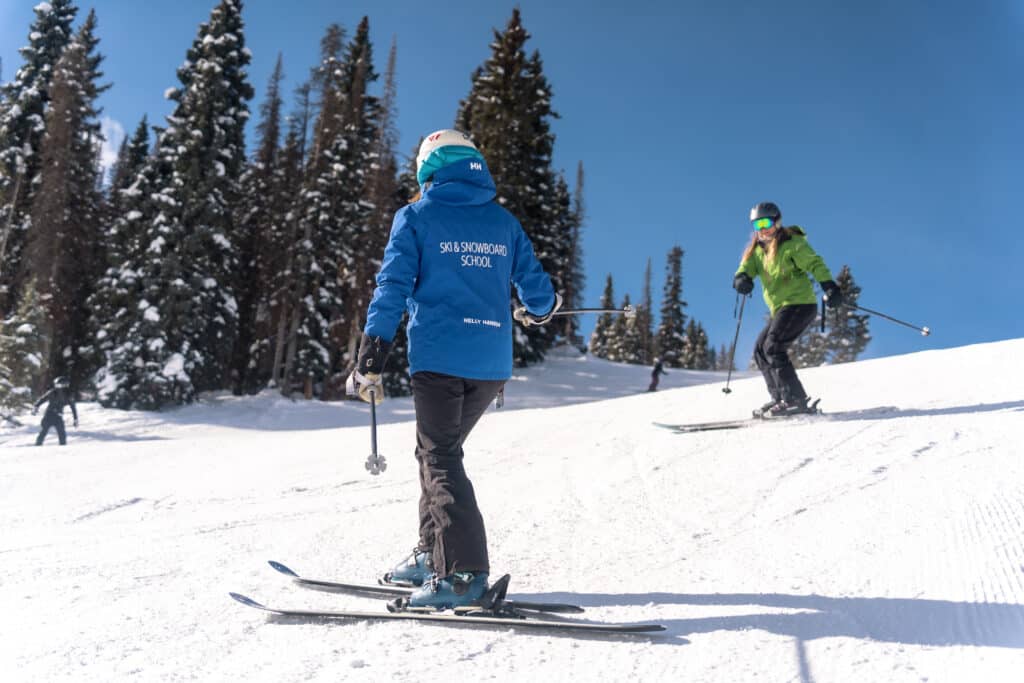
[(58, 397), (658, 370)]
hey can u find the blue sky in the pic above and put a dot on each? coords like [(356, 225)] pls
[(892, 131)]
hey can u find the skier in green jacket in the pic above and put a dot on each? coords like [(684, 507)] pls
[(785, 262)]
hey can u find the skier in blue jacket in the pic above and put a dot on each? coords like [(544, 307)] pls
[(451, 261)]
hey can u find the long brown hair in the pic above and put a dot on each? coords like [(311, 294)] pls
[(780, 236)]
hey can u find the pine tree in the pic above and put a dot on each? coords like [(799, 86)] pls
[(670, 337), (575, 280), (397, 381), (810, 349), (848, 335), (645, 320), (336, 216), (286, 281), (62, 249), (507, 113), (262, 212), (695, 354), (601, 337), (118, 289), (22, 124), (177, 337), (726, 358), (22, 351), (631, 340), (388, 192)]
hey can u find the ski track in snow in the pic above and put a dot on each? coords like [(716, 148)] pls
[(883, 541)]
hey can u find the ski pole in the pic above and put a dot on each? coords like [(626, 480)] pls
[(376, 463), (732, 351), (627, 311), (923, 330)]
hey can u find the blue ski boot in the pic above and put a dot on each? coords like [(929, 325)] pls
[(413, 570), (461, 589)]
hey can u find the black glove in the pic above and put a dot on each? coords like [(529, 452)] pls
[(743, 284), (373, 353), (833, 295)]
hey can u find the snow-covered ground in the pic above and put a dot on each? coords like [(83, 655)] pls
[(884, 542)]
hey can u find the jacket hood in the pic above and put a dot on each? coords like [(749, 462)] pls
[(467, 181)]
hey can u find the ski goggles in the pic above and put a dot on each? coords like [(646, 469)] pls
[(763, 223)]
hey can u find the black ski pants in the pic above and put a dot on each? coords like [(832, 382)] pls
[(447, 409), (50, 420), (771, 352)]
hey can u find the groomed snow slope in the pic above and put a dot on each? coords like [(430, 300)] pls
[(882, 542)]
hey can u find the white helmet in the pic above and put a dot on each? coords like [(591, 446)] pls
[(442, 138)]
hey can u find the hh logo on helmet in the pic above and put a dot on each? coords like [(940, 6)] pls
[(476, 166)]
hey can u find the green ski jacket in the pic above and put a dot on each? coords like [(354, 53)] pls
[(785, 279)]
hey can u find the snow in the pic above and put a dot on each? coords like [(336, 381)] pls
[(881, 542), (174, 368)]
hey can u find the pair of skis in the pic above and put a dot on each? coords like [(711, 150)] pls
[(757, 418), (495, 609)]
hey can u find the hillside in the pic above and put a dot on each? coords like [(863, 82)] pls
[(883, 541)]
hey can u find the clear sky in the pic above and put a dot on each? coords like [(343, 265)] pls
[(893, 132)]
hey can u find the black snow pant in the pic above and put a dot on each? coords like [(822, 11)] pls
[(447, 409), (771, 352), (52, 421)]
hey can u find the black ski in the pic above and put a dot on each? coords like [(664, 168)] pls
[(756, 419), (707, 426), (392, 591), (504, 618)]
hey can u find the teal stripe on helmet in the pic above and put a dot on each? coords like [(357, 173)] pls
[(443, 156)]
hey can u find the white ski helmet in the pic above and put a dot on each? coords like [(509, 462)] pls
[(437, 140)]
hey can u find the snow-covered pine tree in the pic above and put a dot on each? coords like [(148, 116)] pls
[(616, 336), (177, 337), (694, 355), (670, 336), (22, 349), (562, 221), (631, 341), (576, 279), (315, 291), (507, 113), (63, 250), (388, 191), (601, 337), (847, 334), (22, 124), (810, 348), (118, 289), (131, 157), (335, 213), (726, 361), (645, 319), (368, 181), (261, 215), (284, 276)]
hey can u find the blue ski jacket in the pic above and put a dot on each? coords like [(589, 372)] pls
[(451, 260)]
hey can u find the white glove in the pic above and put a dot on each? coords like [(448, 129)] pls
[(526, 318), (369, 386)]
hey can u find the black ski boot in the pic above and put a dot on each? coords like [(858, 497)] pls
[(796, 406), (767, 408)]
